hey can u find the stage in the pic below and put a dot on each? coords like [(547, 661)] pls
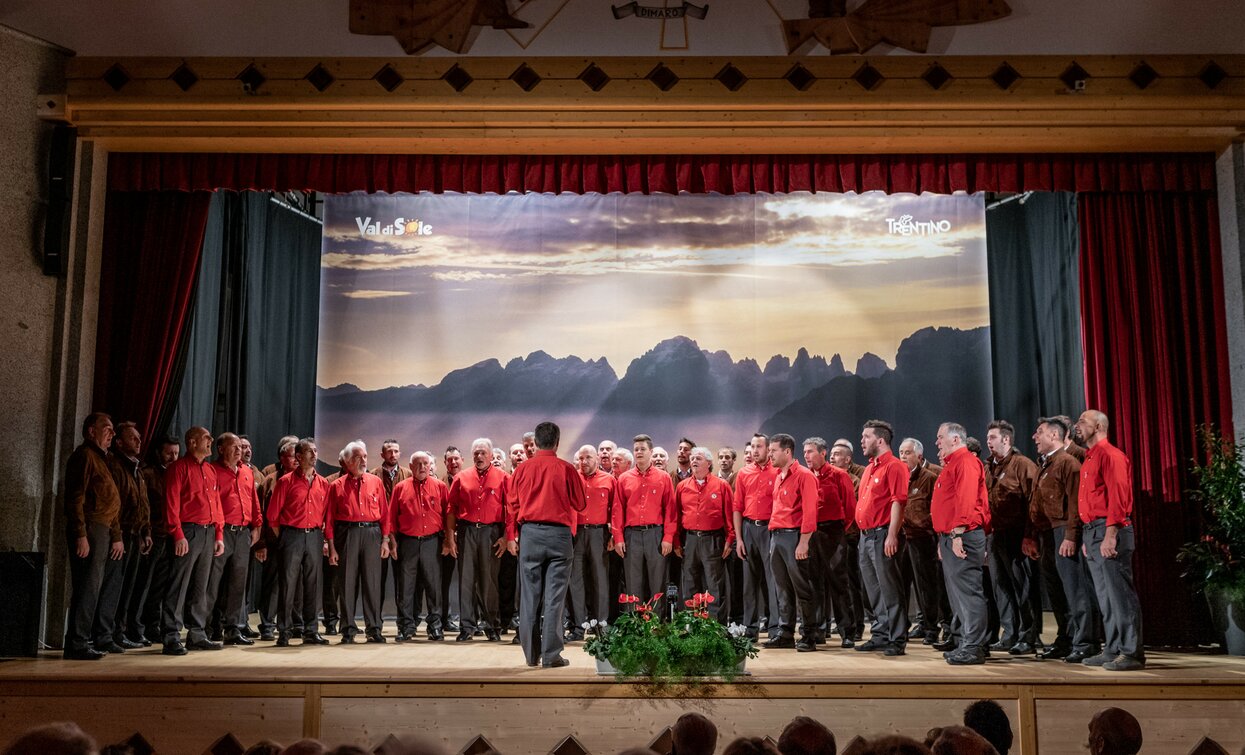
[(455, 692)]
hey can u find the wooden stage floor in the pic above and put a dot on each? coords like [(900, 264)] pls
[(362, 693)]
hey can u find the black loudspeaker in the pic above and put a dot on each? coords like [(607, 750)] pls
[(60, 190), (21, 603)]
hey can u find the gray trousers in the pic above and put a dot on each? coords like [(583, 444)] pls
[(300, 573), (1009, 570), (91, 618), (545, 552), (644, 565), (703, 569), (760, 594), (188, 596), (1113, 583), (358, 570), (1071, 593), (418, 571), (829, 582), (883, 583), (478, 569), (790, 582), (589, 572), (963, 577), (227, 582)]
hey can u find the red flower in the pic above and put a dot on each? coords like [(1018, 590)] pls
[(656, 596), (688, 603), (708, 598), (623, 598)]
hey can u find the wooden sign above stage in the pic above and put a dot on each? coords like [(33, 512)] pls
[(903, 23), (418, 24)]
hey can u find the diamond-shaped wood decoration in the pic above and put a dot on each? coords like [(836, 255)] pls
[(1074, 75), (1004, 76), (570, 745), (1143, 75), (594, 76), (457, 77), (226, 745), (184, 78), (251, 79), (731, 77), (868, 77), (663, 743), (936, 76), (389, 78), (116, 77), (800, 77), (1208, 746), (525, 77), (477, 745), (1212, 75), (139, 744), (320, 78), (662, 77), (391, 744)]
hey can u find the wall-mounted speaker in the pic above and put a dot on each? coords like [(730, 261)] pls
[(60, 198)]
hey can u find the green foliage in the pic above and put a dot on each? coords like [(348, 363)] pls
[(1214, 563), (691, 645)]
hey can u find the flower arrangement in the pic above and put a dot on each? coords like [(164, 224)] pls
[(691, 644)]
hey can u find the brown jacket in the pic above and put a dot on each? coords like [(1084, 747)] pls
[(135, 508), (153, 475), (916, 518), (91, 494), (1076, 452), (1054, 502), (1010, 482), (400, 474)]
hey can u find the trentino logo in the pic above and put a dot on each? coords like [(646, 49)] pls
[(399, 227), (904, 225)]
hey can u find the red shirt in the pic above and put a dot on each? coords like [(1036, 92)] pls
[(479, 500), (1106, 486), (191, 495), (418, 508), (646, 498), (884, 482), (239, 499), (754, 491), (960, 498), (705, 506), (836, 494), (600, 490), (544, 489), (299, 502), (795, 500), (358, 499)]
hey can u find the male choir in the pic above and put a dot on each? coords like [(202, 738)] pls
[(183, 548)]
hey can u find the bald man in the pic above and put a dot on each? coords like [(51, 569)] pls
[(1114, 731)]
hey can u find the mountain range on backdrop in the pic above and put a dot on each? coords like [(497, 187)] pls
[(939, 374)]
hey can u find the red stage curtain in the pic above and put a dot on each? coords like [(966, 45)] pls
[(1156, 362), (696, 174), (152, 242)]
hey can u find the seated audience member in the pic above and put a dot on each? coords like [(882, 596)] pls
[(987, 718), (961, 740), (61, 738), (1114, 731), (637, 751), (306, 747), (804, 736), (890, 744), (693, 734), (410, 744), (751, 746), (264, 747)]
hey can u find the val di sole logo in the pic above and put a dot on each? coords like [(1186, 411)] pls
[(905, 225), (399, 227)]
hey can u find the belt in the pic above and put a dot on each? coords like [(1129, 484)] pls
[(438, 533), (237, 527), (356, 524), (872, 530), (547, 524), (785, 529), (1103, 520), (477, 525), (706, 533), (203, 526), (757, 522), (642, 526), (837, 523), (301, 529), (593, 526)]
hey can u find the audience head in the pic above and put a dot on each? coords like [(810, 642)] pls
[(805, 736), (987, 718), (1114, 731), (751, 746), (693, 734), (890, 744), (961, 740), (61, 738), (305, 747)]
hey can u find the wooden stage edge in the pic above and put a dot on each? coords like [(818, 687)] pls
[(456, 692)]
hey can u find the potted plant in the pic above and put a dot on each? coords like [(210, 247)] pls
[(690, 645), (1215, 563)]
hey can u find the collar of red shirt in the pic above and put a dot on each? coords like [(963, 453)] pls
[(880, 458), (545, 452), (957, 452)]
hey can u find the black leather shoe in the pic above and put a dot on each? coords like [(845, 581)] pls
[(140, 641), (403, 637), (330, 628), (267, 635), (204, 644), (1020, 648), (249, 633), (806, 645), (753, 635), (128, 644), (574, 637), (819, 637), (238, 639), (110, 647), (945, 646), (492, 636), (930, 638), (283, 641), (451, 626), (216, 635), (174, 648), (515, 640), (847, 643), (1054, 653), (83, 654), (558, 662), (1075, 656), (1001, 645), (871, 646), (965, 658), (463, 636), (436, 636), (375, 638), (778, 642), (893, 649), (347, 639), (314, 639)]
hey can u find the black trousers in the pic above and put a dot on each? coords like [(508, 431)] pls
[(449, 600), (927, 582), (130, 600), (1009, 572), (418, 570), (589, 595), (760, 594), (330, 586), (300, 573), (850, 612), (358, 573), (793, 588), (478, 569), (733, 597), (90, 618), (703, 570), (508, 590), (187, 597), (644, 564), (270, 595), (544, 567), (227, 582), (830, 585), (153, 580)]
